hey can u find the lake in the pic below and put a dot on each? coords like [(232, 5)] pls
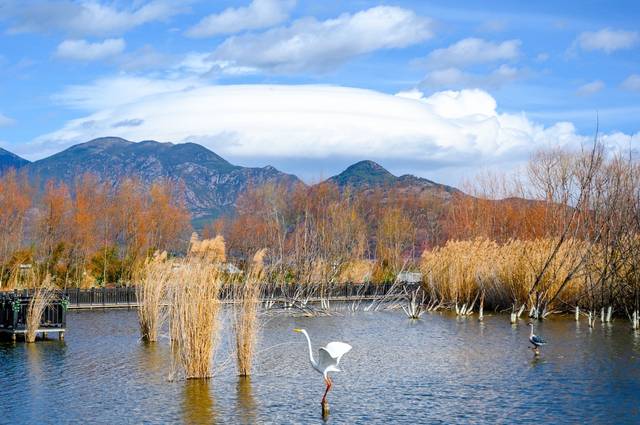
[(440, 369)]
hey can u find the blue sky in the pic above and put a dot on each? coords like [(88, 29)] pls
[(449, 88)]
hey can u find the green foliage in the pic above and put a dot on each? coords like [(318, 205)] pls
[(105, 266)]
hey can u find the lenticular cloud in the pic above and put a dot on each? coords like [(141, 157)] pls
[(320, 122)]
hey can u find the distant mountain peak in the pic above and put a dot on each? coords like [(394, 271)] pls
[(365, 173), (368, 165), (10, 160), (105, 142), (369, 174)]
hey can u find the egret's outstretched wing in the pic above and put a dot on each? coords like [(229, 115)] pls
[(337, 350), (331, 354), (325, 360)]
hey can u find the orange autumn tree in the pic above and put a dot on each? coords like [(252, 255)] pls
[(94, 232), (53, 225), (15, 200)]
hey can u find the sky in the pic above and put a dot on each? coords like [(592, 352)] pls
[(439, 89)]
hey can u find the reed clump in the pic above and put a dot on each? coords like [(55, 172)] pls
[(195, 307), (504, 275), (246, 313), (43, 296), (151, 291)]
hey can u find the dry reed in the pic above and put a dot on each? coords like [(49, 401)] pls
[(195, 305), (246, 313), (209, 249), (358, 271), (151, 289), (42, 297), (462, 272)]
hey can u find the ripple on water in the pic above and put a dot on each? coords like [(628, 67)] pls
[(436, 370)]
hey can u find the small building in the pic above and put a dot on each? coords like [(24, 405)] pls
[(409, 278)]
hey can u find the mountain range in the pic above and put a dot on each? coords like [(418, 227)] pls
[(212, 184)]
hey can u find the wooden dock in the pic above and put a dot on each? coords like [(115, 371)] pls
[(43, 332), (13, 315)]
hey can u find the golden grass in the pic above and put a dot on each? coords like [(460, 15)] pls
[(42, 297), (356, 271), (462, 271), (195, 305), (151, 289), (209, 249), (246, 313)]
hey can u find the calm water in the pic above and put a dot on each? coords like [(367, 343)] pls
[(436, 370)]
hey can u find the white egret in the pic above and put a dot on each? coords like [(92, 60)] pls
[(328, 359), (536, 340)]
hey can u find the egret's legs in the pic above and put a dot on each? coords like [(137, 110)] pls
[(326, 391)]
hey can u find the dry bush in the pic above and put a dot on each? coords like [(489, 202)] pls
[(209, 249), (356, 271), (153, 278), (246, 313), (195, 305), (42, 297)]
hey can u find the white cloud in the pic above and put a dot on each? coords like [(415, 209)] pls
[(145, 57), (119, 91), (456, 78), (5, 121), (472, 51), (84, 18), (81, 50), (590, 88), (286, 123), (542, 57), (607, 40), (632, 82), (319, 46), (259, 14)]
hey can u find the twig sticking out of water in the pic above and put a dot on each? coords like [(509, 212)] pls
[(414, 309)]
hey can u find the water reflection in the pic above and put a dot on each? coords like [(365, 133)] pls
[(246, 403), (152, 356), (197, 403)]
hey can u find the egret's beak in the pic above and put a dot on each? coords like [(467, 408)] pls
[(297, 330)]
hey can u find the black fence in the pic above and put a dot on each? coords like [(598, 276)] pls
[(14, 306), (125, 296), (122, 295)]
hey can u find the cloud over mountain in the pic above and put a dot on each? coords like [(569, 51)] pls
[(288, 123)]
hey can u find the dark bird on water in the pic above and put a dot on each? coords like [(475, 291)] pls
[(536, 340)]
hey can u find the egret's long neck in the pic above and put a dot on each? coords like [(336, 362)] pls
[(306, 335), (531, 334)]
